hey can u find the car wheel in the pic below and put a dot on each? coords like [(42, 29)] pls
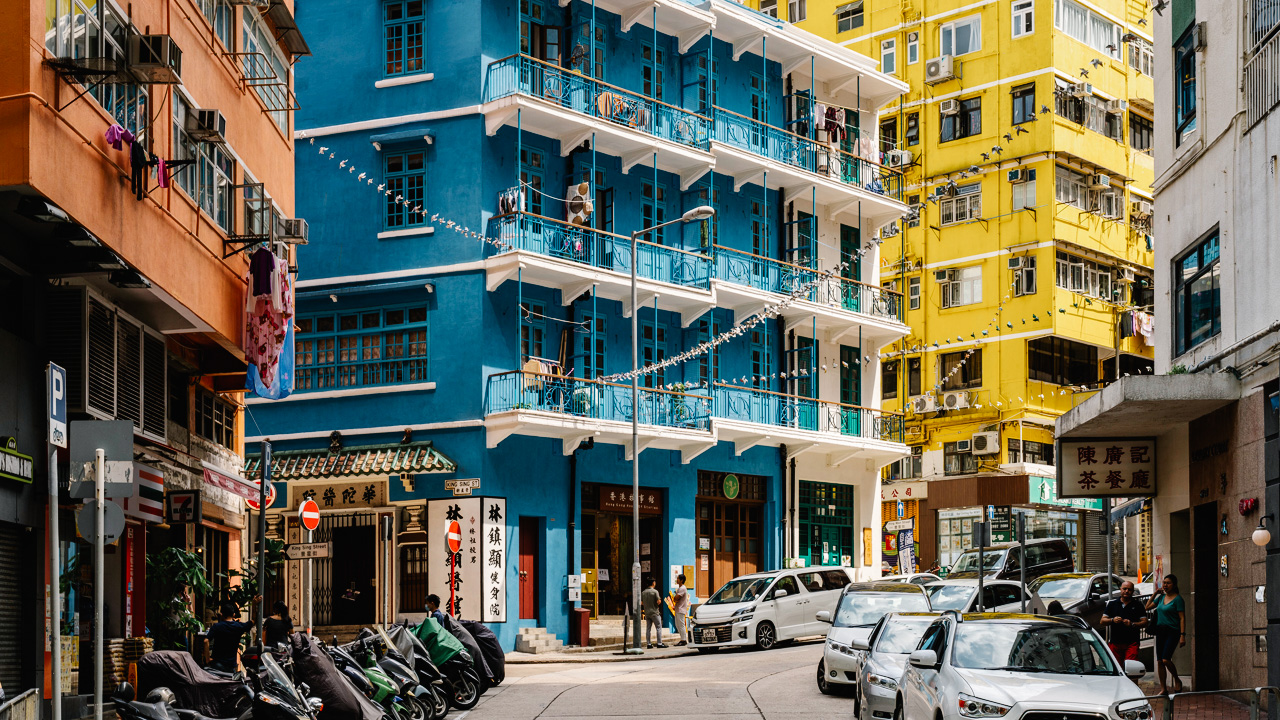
[(766, 635), (823, 686), (857, 701), (897, 711)]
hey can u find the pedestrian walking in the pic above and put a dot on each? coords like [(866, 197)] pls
[(651, 604), (278, 625), (1171, 630), (1126, 617), (680, 608)]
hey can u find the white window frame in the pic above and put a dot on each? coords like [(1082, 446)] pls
[(1070, 188), (217, 201), (913, 47), (1110, 203), (1024, 279), (1024, 17), (1087, 26), (965, 289), (947, 34), (849, 12), (257, 37), (962, 207), (769, 7), (1141, 57), (1024, 193), (889, 56), (913, 293), (797, 11)]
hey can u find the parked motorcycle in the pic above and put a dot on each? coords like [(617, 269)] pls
[(313, 665), (444, 651), (274, 698), (418, 701), (384, 692), (428, 675)]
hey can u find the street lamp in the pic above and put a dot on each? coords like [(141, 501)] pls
[(702, 212), (1261, 535)]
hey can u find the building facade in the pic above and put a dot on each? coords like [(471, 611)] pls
[(1026, 262), (474, 174), (1214, 407), (131, 285)]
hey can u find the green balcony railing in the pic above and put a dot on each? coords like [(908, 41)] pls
[(778, 276)]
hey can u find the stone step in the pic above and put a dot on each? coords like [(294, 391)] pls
[(536, 641)]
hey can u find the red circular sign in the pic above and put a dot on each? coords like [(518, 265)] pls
[(271, 496), (453, 536), (309, 514)]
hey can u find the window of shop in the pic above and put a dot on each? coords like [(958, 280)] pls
[(826, 523), (730, 538), (1030, 451), (958, 462), (607, 550)]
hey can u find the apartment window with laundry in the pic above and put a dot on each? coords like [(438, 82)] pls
[(405, 177), (533, 330), (913, 129), (1023, 17), (913, 48), (955, 462), (1184, 93), (1024, 278), (215, 419), (962, 36), (1030, 451), (384, 346), (1062, 362), (769, 7), (889, 56), (965, 123), (207, 181), (1197, 296), (1141, 132), (402, 37), (959, 373), (963, 286), (797, 11), (1024, 191), (963, 206), (849, 16), (889, 379), (126, 102), (1024, 103), (913, 293)]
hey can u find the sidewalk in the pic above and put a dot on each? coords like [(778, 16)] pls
[(594, 655), (1207, 707)]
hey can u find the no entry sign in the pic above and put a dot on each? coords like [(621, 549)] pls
[(271, 496), (453, 536), (309, 514)]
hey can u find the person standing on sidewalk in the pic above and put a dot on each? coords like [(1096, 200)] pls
[(1171, 630), (1125, 617), (651, 605), (680, 608)]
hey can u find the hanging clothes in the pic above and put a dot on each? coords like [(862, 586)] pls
[(1126, 325), (1146, 327), (270, 312), (162, 174), (117, 135), (140, 166), (835, 123), (282, 385), (262, 266)]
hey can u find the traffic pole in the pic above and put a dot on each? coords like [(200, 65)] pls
[(1021, 528), (307, 589), (453, 579), (55, 585), (99, 497), (262, 534)]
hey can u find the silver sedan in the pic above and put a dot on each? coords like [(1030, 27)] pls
[(886, 652)]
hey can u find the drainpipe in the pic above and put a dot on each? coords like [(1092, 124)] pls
[(786, 543), (571, 567)]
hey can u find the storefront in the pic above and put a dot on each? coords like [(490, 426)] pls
[(900, 512), (826, 523), (608, 549), (730, 510)]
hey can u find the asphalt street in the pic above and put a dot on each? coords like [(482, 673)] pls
[(726, 685)]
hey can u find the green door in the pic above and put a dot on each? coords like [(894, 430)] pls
[(850, 390), (850, 291)]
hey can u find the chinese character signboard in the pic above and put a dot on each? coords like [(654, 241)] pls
[(904, 491), (1106, 467), (493, 559), (617, 499), (358, 493), (480, 566)]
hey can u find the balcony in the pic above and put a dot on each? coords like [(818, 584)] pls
[(574, 259), (543, 98), (838, 309), (803, 169), (574, 409)]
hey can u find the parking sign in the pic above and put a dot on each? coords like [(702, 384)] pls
[(57, 405)]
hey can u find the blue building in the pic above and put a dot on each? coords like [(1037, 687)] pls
[(431, 364)]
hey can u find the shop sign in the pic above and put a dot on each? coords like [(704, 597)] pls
[(968, 512), (1001, 519), (617, 499), (731, 486), (182, 506), (341, 496), (479, 580), (13, 464), (904, 491), (1106, 467), (1044, 491), (906, 552)]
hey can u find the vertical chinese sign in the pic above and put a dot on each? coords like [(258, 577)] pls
[(1106, 467), (479, 583), (494, 560)]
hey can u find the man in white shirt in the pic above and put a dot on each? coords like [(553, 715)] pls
[(680, 602)]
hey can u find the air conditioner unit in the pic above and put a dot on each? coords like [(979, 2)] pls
[(1015, 263), (1126, 274), (924, 404), (898, 158), (957, 400), (986, 443), (1200, 36), (207, 126), (1117, 106), (950, 107), (155, 59), (1082, 89), (294, 229), (944, 275), (1100, 180), (579, 206), (964, 446), (889, 230), (939, 69), (1142, 207), (1016, 175)]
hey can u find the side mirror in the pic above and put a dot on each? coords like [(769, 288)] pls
[(124, 691), (1094, 597), (824, 616), (859, 644), (1134, 669), (926, 659), (304, 689), (779, 594)]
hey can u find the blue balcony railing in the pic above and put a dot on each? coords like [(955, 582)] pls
[(777, 276), (556, 238), (805, 153), (524, 75), (765, 407), (595, 400)]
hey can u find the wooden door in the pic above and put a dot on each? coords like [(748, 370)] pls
[(528, 568)]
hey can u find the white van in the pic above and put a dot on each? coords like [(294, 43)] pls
[(764, 608)]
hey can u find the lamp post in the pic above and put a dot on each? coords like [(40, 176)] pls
[(702, 212)]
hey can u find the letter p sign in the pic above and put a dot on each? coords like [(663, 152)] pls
[(57, 406)]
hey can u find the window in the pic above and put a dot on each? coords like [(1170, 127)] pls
[(913, 48), (653, 68), (533, 327), (889, 380), (913, 129), (1197, 294), (593, 346), (955, 462), (966, 123), (797, 11), (914, 366), (1030, 451), (1062, 362), (1024, 192), (1071, 188), (1109, 204), (849, 16), (1084, 276), (1140, 133), (653, 350), (969, 374), (1142, 291), (405, 178), (908, 467), (209, 181), (962, 36), (913, 204), (653, 211), (1087, 26), (1184, 77), (761, 359), (382, 346), (889, 56), (964, 287), (964, 206), (913, 293), (1115, 126), (265, 67), (532, 169), (709, 362), (1141, 57), (215, 419), (402, 37), (769, 7), (125, 102), (1023, 17), (1024, 278), (1024, 103)]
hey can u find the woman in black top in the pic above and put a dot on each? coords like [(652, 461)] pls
[(278, 626)]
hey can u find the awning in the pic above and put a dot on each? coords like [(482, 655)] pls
[(370, 288), (412, 135), (415, 458), (230, 482), (287, 32), (1133, 507), (1149, 405)]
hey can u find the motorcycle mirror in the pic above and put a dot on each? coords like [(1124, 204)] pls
[(124, 691), (304, 688)]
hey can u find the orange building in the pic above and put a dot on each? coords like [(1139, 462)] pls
[(135, 286)]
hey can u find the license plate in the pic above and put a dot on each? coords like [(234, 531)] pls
[(708, 636)]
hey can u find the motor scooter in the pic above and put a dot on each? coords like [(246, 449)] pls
[(384, 690)]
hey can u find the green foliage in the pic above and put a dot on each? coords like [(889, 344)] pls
[(244, 593), (172, 613), (1178, 370)]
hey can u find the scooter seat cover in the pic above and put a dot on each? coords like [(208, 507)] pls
[(193, 688), (441, 645)]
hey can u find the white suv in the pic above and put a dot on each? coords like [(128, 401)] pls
[(1018, 667), (764, 608)]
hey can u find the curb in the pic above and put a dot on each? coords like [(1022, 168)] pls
[(589, 657)]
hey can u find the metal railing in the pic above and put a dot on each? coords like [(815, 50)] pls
[(25, 706), (595, 400), (1262, 81), (524, 75), (804, 153), (1262, 17), (600, 249), (765, 407), (778, 276), (1260, 703)]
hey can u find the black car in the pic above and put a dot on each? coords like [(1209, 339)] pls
[(1080, 593), (1045, 556)]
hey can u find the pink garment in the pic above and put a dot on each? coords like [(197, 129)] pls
[(266, 322), (117, 135), (162, 175)]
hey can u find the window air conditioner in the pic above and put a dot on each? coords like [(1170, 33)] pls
[(207, 126), (1142, 207), (964, 446), (155, 59), (944, 275), (1100, 181), (986, 443), (957, 400), (889, 230), (1082, 89), (1016, 175), (924, 404), (1126, 274), (950, 107), (1015, 263), (294, 229), (939, 69), (1117, 106)]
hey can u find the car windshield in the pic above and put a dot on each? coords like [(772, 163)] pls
[(949, 597), (1030, 647), (1069, 587), (901, 637), (865, 609), (968, 562), (740, 591)]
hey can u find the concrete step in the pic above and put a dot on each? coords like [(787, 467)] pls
[(536, 640)]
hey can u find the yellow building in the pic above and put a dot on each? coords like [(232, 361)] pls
[(1026, 137)]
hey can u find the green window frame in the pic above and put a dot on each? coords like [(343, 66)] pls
[(362, 348), (405, 176), (402, 37)]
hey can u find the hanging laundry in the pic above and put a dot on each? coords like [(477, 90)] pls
[(282, 386), (262, 266), (1126, 325), (269, 313), (835, 123), (117, 135), (162, 174), (1146, 327), (140, 166)]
